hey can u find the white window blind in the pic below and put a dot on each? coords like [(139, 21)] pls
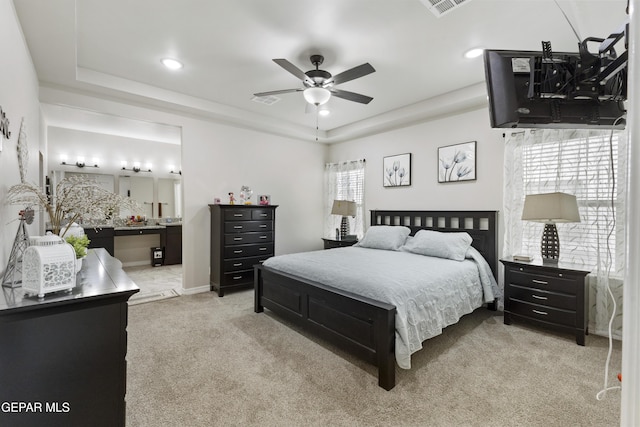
[(344, 181), (586, 165)]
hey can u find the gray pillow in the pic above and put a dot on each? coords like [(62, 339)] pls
[(384, 237), (442, 245)]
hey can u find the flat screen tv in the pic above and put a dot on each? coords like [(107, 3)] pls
[(516, 99)]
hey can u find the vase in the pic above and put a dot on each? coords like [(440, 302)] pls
[(78, 265)]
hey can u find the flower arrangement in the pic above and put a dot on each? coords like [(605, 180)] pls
[(80, 244), (76, 197)]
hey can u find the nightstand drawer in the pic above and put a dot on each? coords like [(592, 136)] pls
[(538, 280), (538, 296), (544, 313)]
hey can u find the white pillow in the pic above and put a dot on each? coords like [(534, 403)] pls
[(442, 245), (387, 237)]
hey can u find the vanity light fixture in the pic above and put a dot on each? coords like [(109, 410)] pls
[(172, 168), (136, 167), (80, 162)]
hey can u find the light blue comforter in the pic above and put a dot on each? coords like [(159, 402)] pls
[(429, 293)]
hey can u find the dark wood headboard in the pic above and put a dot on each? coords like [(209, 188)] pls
[(481, 226)]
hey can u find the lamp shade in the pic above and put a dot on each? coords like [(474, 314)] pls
[(344, 208), (551, 208), (316, 95)]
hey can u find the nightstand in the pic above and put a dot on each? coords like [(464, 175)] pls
[(549, 295), (332, 243)]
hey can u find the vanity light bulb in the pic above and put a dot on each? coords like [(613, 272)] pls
[(123, 164)]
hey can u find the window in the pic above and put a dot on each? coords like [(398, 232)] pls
[(344, 181), (584, 164)]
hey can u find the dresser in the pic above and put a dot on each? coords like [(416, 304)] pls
[(241, 236), (64, 355), (548, 295)]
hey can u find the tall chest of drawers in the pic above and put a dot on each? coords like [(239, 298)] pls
[(241, 236), (547, 295)]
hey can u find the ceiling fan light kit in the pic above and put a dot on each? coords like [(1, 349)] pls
[(316, 95), (319, 84)]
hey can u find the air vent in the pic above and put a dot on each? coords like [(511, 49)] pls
[(442, 7), (267, 100)]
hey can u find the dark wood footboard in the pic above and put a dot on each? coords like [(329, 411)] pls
[(359, 325)]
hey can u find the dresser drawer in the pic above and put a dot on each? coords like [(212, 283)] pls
[(242, 251), (538, 296), (262, 214), (244, 226), (540, 312), (238, 214), (238, 264), (244, 238), (545, 281), (237, 278)]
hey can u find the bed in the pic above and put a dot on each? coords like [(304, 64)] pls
[(370, 324)]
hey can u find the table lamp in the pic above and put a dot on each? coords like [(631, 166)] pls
[(550, 208), (344, 208)]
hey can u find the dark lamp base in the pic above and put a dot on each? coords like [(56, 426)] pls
[(550, 246)]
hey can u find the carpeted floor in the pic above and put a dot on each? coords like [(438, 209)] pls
[(200, 360)]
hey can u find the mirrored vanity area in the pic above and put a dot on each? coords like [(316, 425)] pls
[(129, 236)]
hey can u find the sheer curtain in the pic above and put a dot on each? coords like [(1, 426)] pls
[(587, 164), (344, 181)]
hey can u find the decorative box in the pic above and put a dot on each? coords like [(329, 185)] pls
[(48, 265)]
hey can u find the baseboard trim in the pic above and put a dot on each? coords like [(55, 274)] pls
[(192, 291)]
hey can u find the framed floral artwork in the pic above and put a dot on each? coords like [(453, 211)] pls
[(397, 170), (457, 162)]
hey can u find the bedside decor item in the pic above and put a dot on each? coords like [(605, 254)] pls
[(344, 208), (457, 162), (550, 208), (48, 265), (264, 199), (397, 170)]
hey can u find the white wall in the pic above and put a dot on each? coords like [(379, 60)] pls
[(217, 159), (18, 99), (422, 141)]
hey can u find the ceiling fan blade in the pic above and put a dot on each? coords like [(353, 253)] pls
[(354, 73), (294, 70), (277, 92), (351, 96)]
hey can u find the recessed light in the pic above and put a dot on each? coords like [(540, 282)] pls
[(473, 53), (171, 64)]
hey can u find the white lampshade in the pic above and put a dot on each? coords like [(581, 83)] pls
[(316, 95), (551, 208), (344, 208)]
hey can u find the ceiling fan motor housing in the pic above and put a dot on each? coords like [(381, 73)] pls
[(318, 76)]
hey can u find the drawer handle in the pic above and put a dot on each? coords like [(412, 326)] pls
[(263, 225), (237, 277), (263, 214), (544, 313), (239, 251), (263, 249), (540, 282), (539, 297), (237, 264), (263, 237), (237, 227), (238, 214), (237, 238)]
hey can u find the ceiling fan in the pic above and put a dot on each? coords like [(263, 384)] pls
[(319, 84)]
